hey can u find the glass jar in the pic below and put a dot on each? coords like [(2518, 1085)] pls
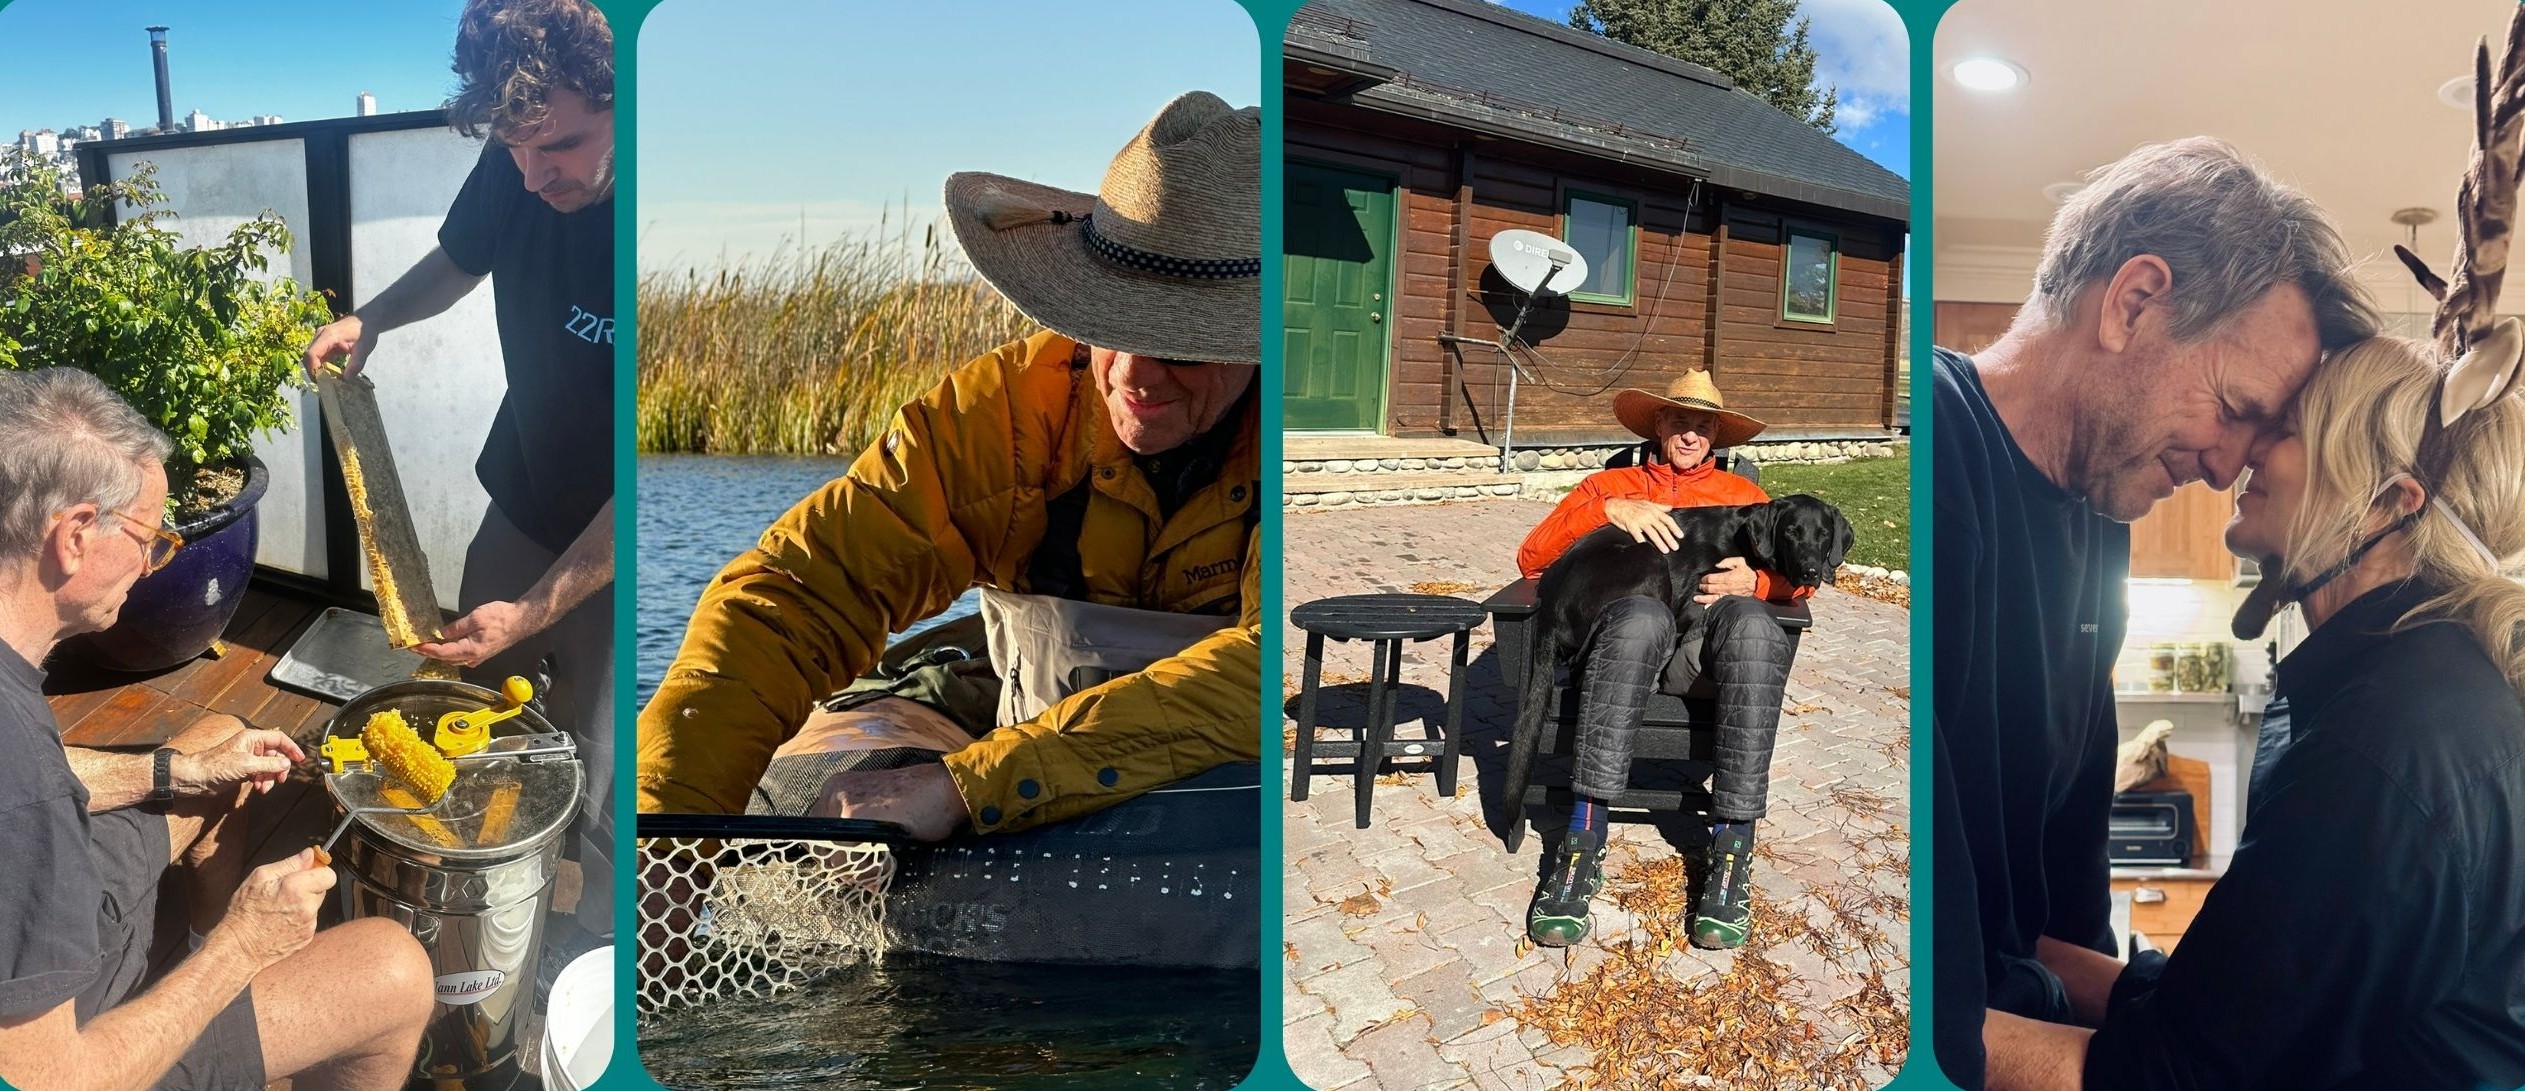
[(2161, 659), (2191, 669)]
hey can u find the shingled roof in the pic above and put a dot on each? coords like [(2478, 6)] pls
[(1499, 71)]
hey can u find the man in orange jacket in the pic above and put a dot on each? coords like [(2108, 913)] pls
[(1741, 657)]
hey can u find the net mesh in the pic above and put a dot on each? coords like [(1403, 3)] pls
[(722, 917)]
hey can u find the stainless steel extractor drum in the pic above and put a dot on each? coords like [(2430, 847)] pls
[(473, 882)]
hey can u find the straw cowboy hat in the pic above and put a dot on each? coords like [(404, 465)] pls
[(1165, 259), (1637, 409)]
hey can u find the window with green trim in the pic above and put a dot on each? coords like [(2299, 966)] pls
[(1810, 275), (1606, 232)]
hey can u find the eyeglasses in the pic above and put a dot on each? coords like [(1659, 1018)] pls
[(161, 543)]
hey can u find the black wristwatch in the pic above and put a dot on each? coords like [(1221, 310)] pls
[(162, 775)]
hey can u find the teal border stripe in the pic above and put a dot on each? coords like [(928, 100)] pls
[(1271, 1068), (625, 1071), (1920, 17)]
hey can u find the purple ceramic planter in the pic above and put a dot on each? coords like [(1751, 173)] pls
[(175, 613)]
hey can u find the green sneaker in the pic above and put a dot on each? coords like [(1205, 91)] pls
[(1558, 915), (1725, 913)]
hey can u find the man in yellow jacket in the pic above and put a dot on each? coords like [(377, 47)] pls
[(1113, 459)]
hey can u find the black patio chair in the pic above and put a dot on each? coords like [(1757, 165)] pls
[(1672, 728)]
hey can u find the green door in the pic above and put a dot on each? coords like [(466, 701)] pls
[(1336, 306)]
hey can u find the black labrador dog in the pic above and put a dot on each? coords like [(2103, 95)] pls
[(1799, 537)]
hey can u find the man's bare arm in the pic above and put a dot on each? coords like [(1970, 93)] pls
[(115, 779), (2032, 1055), (119, 779), (432, 285), (2087, 975), (494, 627), (582, 569)]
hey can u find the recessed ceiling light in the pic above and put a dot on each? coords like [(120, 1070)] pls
[(2456, 92), (1987, 74), (2062, 191)]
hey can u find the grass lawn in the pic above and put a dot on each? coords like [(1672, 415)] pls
[(1875, 493)]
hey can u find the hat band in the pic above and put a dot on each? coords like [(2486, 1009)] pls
[(1692, 401), (1148, 261)]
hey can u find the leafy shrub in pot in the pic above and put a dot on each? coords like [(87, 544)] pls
[(193, 337)]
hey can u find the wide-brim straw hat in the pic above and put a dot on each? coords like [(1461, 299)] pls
[(1637, 409), (1164, 260)]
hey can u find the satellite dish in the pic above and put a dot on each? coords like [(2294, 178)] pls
[(1536, 262)]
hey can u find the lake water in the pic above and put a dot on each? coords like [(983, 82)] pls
[(697, 512), (916, 1021), (923, 1022)]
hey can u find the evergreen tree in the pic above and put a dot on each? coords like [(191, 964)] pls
[(1752, 42)]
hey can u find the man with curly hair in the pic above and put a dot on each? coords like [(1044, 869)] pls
[(537, 217)]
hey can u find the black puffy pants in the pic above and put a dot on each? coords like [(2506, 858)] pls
[(1631, 654)]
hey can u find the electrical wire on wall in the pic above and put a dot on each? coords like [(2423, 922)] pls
[(1614, 373)]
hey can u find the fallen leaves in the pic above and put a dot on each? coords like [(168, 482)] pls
[(1752, 1024), (1875, 587), (1444, 587)]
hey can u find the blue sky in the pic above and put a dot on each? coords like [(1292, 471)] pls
[(1860, 47), (77, 62), (851, 110)]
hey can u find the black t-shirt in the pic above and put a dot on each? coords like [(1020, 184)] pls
[(2370, 931), (2030, 611), (549, 461), (49, 888)]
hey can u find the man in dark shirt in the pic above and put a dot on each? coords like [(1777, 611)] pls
[(537, 217), (2182, 299), (85, 836)]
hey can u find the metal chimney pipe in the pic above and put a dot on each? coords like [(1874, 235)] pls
[(166, 92)]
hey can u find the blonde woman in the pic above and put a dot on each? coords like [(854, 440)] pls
[(2370, 930)]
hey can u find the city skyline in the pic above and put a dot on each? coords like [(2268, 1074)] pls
[(229, 60)]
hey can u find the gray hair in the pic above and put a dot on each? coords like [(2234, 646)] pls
[(70, 441), (2229, 232)]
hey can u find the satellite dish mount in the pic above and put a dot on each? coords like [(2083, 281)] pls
[(1539, 266)]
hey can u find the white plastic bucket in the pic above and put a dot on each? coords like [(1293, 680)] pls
[(579, 1022)]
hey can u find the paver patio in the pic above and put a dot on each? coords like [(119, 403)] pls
[(1404, 966)]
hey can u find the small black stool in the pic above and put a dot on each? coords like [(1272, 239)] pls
[(1388, 621)]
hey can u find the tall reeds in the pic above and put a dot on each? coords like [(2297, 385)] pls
[(808, 350)]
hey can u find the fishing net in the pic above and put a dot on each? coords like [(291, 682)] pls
[(750, 906)]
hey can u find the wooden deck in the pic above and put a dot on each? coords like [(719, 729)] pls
[(108, 710)]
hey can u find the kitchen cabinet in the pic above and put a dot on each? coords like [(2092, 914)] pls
[(2184, 537), (2162, 906), (1970, 327)]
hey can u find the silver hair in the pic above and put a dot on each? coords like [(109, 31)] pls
[(65, 440), (2229, 232)]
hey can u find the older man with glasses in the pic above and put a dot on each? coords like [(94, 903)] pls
[(87, 836)]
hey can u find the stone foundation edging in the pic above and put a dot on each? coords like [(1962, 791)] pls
[(1368, 492), (1531, 459), (1545, 472)]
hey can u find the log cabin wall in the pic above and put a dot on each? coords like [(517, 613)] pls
[(1803, 379)]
